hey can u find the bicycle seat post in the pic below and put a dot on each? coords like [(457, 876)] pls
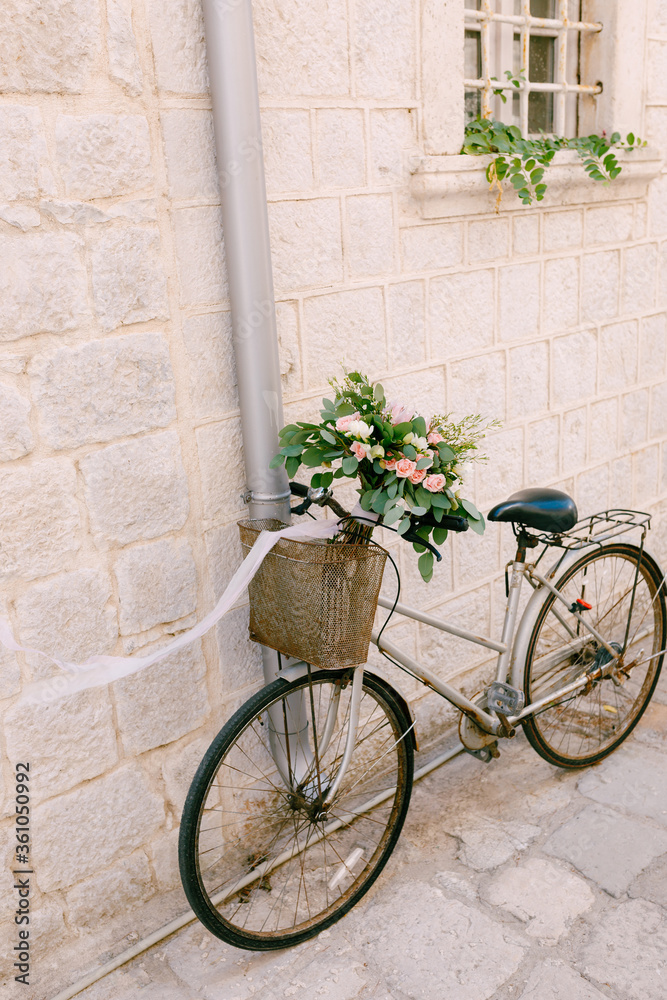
[(523, 541)]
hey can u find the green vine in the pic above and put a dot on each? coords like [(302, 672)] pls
[(523, 162)]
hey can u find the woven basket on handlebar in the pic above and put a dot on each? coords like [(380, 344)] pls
[(312, 599)]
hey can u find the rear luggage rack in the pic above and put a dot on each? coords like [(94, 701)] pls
[(597, 529)]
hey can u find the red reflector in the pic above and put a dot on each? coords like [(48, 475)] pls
[(584, 604)]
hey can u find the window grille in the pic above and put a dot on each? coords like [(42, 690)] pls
[(539, 41)]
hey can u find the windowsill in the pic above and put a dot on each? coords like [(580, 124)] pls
[(447, 186)]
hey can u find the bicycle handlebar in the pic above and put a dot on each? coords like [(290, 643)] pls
[(452, 522)]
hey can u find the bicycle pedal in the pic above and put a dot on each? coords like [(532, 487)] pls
[(504, 698)]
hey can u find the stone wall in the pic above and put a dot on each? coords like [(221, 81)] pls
[(120, 451)]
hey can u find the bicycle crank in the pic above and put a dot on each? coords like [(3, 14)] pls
[(476, 741)]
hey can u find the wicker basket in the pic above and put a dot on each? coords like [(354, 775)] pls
[(312, 599)]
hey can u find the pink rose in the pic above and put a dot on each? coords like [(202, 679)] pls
[(359, 450), (343, 423), (390, 464), (417, 476), (405, 468), (435, 484), (435, 438)]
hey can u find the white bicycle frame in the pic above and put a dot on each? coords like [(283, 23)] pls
[(512, 650)]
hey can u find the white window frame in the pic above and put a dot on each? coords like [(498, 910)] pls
[(497, 24), (615, 58)]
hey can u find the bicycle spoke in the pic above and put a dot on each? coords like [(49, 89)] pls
[(628, 610)]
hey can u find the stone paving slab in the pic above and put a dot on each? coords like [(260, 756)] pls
[(511, 881), (544, 896), (634, 783), (628, 950), (611, 849), (555, 981)]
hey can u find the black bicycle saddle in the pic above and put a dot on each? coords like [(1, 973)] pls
[(546, 510)]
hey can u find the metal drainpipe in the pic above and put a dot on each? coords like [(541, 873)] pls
[(230, 47)]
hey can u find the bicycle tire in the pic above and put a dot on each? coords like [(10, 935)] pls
[(260, 818), (588, 726)]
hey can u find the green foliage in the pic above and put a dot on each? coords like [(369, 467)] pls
[(522, 162), (369, 446)]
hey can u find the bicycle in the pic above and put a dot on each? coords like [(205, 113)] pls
[(300, 799)]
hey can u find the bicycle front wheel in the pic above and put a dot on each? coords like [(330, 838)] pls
[(628, 610), (265, 861)]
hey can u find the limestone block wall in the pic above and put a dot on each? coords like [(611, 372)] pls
[(120, 451)]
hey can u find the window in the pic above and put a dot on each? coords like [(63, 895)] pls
[(538, 41)]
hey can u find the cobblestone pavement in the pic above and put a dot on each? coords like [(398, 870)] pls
[(511, 881)]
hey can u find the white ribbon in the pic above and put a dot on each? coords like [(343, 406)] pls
[(101, 669)]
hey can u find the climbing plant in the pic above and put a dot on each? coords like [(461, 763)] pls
[(523, 162)]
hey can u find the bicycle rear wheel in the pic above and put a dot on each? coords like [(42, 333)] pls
[(590, 725), (262, 864)]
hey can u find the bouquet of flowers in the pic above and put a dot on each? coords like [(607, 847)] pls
[(408, 467)]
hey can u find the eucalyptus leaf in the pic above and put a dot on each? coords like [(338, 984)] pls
[(292, 466), (277, 461), (446, 454), (440, 500), (344, 409), (366, 501), (425, 564), (404, 526), (350, 465), (393, 515), (423, 497), (471, 509), (478, 526), (312, 457)]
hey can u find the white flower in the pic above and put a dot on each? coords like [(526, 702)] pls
[(408, 438), (359, 428), (420, 443), (377, 451)]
